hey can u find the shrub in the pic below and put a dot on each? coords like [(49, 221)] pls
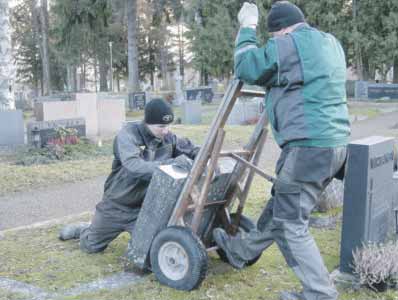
[(332, 197), (376, 263)]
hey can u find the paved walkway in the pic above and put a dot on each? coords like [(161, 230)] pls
[(30, 207)]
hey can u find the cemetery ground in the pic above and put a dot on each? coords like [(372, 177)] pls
[(34, 264)]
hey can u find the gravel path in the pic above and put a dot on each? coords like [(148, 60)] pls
[(26, 208)]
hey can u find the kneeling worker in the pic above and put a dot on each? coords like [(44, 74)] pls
[(139, 148)]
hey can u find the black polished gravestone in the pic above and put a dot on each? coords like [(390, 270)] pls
[(137, 100), (44, 132), (379, 91), (204, 94), (365, 90), (367, 195)]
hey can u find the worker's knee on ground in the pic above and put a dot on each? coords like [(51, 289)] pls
[(286, 201)]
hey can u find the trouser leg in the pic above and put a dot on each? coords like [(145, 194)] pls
[(285, 220), (299, 248), (99, 234), (105, 227)]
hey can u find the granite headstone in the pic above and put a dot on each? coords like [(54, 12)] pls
[(204, 94), (12, 129), (367, 195), (191, 112), (372, 91), (160, 199), (137, 101)]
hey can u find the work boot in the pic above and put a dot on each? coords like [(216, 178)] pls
[(223, 241), (285, 295), (72, 231)]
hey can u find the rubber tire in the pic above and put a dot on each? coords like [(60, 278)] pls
[(196, 252), (246, 224)]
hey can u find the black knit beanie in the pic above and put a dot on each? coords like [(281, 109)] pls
[(284, 14), (158, 111)]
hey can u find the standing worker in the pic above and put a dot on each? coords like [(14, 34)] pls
[(304, 72)]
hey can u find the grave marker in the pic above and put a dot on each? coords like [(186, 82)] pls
[(204, 94), (44, 132), (12, 131), (137, 100), (367, 195)]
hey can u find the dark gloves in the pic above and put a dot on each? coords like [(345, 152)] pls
[(183, 162)]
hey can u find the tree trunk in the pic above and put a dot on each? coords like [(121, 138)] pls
[(36, 36), (83, 78), (395, 72), (45, 56), (133, 79), (118, 82), (163, 68), (181, 48), (103, 72), (6, 67), (95, 74), (357, 49), (74, 78), (152, 78)]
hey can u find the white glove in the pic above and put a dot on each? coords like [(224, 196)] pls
[(248, 15)]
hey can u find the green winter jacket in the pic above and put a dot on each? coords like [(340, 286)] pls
[(304, 73)]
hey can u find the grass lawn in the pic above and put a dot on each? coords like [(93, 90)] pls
[(37, 257)]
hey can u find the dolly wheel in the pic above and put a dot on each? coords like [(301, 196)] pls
[(179, 258), (246, 225)]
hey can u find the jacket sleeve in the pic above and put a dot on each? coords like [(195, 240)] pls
[(128, 151), (254, 65), (185, 146)]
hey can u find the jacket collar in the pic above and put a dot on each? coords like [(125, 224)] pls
[(301, 26), (147, 135)]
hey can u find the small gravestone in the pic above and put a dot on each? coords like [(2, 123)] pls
[(246, 111), (367, 195), (382, 91), (191, 112), (12, 129), (44, 132), (350, 88), (361, 90), (204, 94), (137, 101)]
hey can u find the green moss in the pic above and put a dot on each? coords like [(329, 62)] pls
[(6, 295), (331, 212)]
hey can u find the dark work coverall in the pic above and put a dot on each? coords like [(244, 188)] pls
[(137, 153)]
